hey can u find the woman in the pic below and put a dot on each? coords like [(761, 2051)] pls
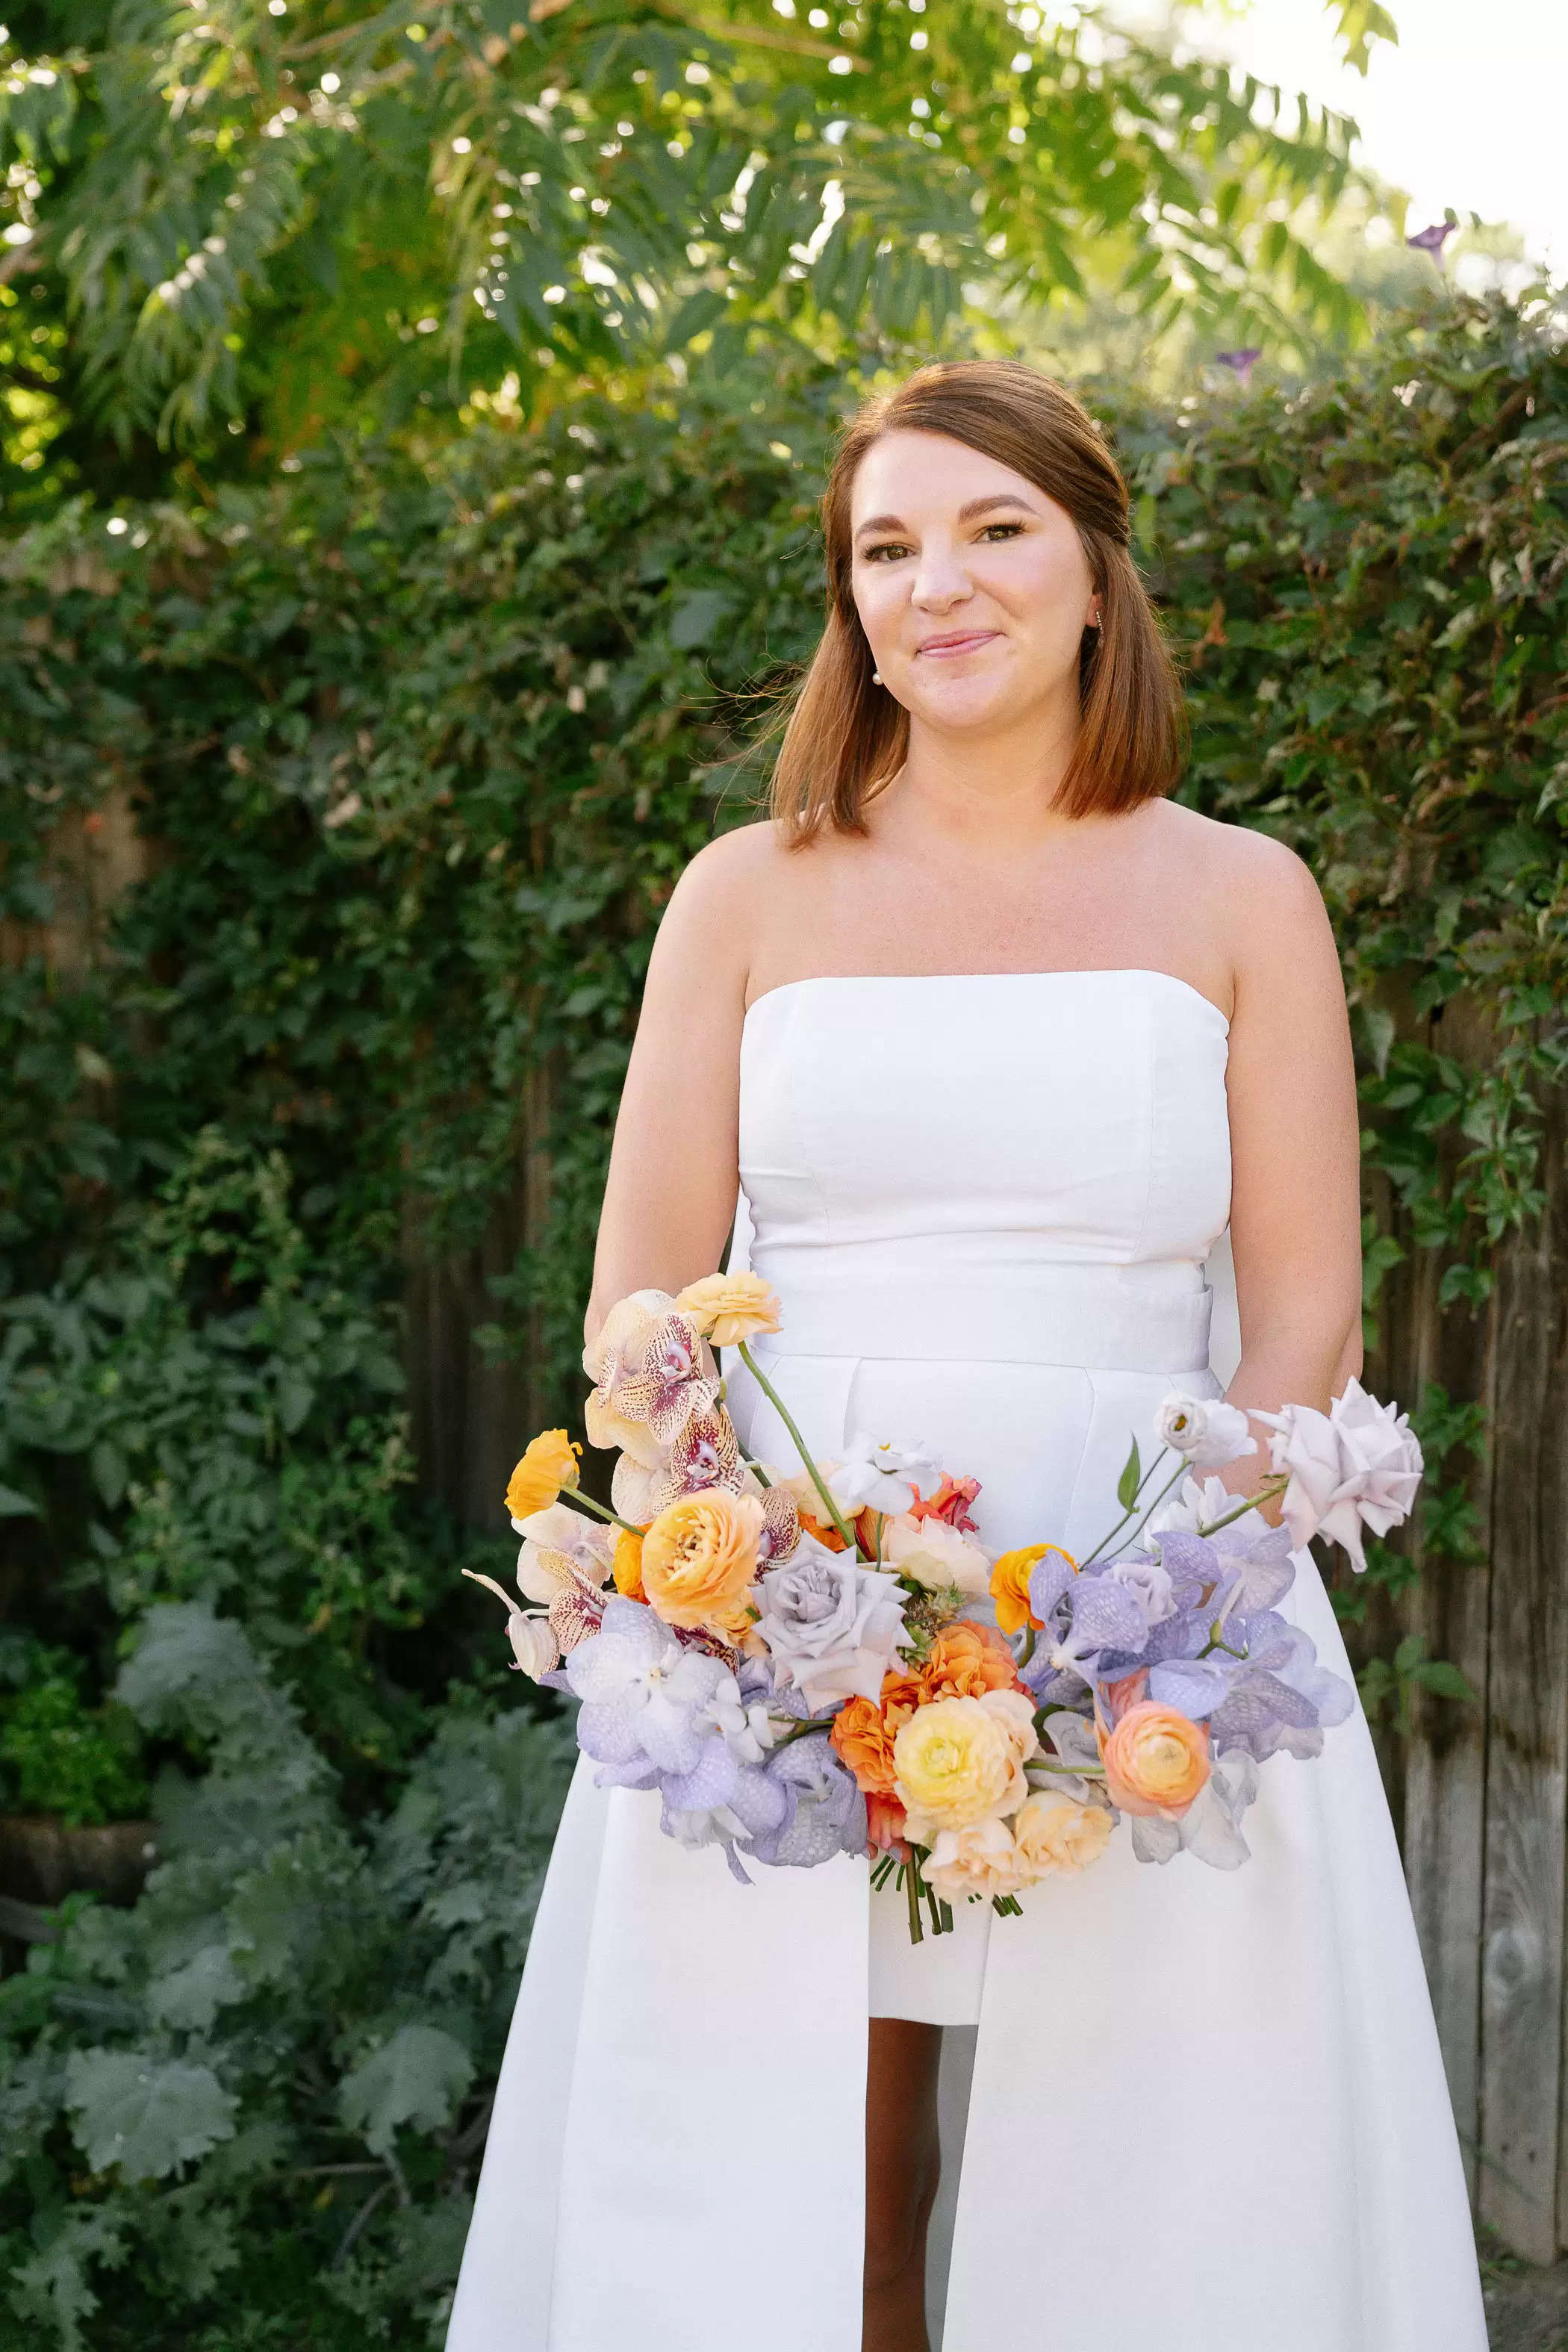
[(996, 1039)]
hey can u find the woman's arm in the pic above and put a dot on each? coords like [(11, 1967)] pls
[(671, 1197), (1295, 1218)]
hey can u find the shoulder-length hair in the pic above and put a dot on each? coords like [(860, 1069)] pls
[(847, 736)]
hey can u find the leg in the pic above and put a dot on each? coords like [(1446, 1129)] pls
[(902, 2166)]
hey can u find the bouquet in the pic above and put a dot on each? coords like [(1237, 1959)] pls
[(822, 1659)]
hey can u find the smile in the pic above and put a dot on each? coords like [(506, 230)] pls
[(964, 641)]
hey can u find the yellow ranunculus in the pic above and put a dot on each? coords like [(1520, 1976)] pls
[(548, 1464), (701, 1554), (626, 1565), (955, 1763), (1010, 1584), (728, 1307), (1056, 1833)]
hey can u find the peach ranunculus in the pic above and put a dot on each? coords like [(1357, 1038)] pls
[(979, 1859), (548, 1464), (699, 1555), (932, 1553), (959, 1759), (626, 1565), (1010, 1584), (1055, 1833), (729, 1307), (1156, 1760), (965, 1661)]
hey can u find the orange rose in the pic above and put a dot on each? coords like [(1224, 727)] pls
[(965, 1661), (701, 1554), (548, 1464), (1010, 1585), (1156, 1760), (626, 1565), (864, 1733)]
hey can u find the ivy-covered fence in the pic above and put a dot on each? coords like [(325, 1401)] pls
[(336, 823)]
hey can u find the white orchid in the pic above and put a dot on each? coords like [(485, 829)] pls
[(561, 1548), (882, 1474), (534, 1647)]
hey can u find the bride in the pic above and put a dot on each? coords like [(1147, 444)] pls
[(996, 1041)]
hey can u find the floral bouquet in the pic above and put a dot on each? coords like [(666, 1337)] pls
[(825, 1660)]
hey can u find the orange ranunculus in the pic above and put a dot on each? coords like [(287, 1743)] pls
[(626, 1565), (885, 1827), (965, 1661), (729, 1307), (1010, 1585), (701, 1554), (548, 1464), (1156, 1760), (864, 1732)]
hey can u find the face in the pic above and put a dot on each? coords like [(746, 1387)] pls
[(971, 585)]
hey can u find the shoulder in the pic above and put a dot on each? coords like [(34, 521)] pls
[(1257, 892), (721, 898)]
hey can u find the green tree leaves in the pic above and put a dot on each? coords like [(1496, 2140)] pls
[(416, 2078), (348, 213)]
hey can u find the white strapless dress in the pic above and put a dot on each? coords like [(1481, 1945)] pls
[(1207, 2109)]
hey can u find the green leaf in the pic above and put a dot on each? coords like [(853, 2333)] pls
[(145, 2116), (109, 1471), (697, 616), (1127, 1483), (15, 1506), (416, 2078)]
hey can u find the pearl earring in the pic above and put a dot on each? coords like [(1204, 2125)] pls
[(876, 677)]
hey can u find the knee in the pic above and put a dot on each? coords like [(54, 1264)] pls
[(897, 2209)]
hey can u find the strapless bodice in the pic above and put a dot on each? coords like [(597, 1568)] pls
[(1018, 1165)]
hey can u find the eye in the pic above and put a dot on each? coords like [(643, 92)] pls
[(886, 550), (1000, 530)]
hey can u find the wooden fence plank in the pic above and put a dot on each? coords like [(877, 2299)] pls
[(1527, 1748)]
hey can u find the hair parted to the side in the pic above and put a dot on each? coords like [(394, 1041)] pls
[(847, 736)]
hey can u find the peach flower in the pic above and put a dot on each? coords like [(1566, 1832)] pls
[(967, 1659), (701, 1554), (548, 1464), (931, 1552), (885, 1827), (951, 1502), (1156, 1760), (959, 1759), (1010, 1584), (1056, 1833), (729, 1307), (979, 1859)]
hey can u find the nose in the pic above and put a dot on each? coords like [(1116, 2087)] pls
[(941, 579)]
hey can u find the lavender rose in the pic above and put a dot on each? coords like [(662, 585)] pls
[(833, 1628), (1358, 1464)]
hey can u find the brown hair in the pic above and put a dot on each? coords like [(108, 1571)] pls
[(847, 736)]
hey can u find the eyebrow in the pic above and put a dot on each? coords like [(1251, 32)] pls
[(966, 513)]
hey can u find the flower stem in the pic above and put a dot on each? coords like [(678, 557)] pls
[(602, 1511), (912, 1887), (813, 1473), (1149, 1508), (1267, 1489)]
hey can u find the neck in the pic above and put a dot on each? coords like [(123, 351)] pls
[(1000, 787)]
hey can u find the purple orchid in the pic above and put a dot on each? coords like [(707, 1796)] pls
[(1432, 240), (825, 1811)]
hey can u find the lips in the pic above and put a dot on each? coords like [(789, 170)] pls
[(957, 641)]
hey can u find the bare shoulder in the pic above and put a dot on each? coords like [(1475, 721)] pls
[(1261, 897), (711, 921)]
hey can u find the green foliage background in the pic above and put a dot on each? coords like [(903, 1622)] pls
[(418, 748)]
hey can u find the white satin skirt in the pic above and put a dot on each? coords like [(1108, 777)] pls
[(1208, 2108)]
